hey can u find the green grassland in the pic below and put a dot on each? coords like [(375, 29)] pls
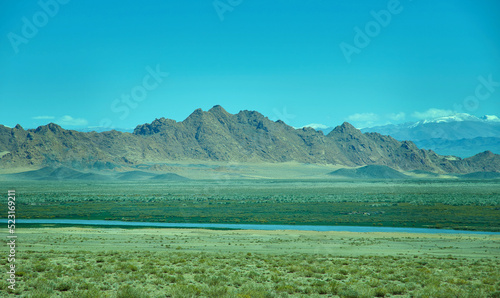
[(55, 261), (468, 205), (92, 262)]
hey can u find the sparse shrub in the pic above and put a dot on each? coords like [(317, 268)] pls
[(42, 285), (339, 277), (396, 289), (90, 293), (128, 291), (170, 278), (216, 280), (374, 283), (65, 285), (252, 274), (85, 286), (41, 294), (217, 291), (127, 267), (343, 272), (185, 291), (333, 287), (380, 292), (199, 270), (40, 267), (252, 290), (285, 287), (349, 292)]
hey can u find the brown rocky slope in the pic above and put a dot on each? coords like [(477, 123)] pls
[(217, 135)]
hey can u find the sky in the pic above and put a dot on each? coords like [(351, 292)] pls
[(116, 64)]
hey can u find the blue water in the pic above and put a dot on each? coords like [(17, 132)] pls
[(360, 229)]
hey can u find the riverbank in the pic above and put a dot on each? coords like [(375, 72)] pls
[(259, 241)]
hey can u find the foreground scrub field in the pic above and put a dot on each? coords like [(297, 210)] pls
[(88, 262)]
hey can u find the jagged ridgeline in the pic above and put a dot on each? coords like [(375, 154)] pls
[(217, 135)]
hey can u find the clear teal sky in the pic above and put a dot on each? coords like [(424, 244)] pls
[(76, 63)]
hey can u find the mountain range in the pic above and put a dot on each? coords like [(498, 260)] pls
[(461, 134), (216, 135)]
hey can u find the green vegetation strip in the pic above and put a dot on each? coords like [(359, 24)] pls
[(451, 205)]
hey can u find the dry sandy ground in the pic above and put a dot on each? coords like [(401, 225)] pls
[(195, 169)]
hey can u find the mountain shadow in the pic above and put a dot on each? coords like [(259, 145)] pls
[(370, 172), (57, 174)]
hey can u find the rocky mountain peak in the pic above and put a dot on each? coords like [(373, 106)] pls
[(485, 154), (157, 126), (217, 109), (196, 116), (408, 145), (345, 128), (195, 113), (52, 127), (221, 114)]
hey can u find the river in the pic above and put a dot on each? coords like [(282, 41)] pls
[(360, 229)]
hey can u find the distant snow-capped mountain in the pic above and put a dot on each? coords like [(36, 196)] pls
[(459, 117), (490, 118), (455, 127), (459, 134)]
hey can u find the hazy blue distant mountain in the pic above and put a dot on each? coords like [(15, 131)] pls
[(456, 127), (103, 129), (461, 134), (462, 147)]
